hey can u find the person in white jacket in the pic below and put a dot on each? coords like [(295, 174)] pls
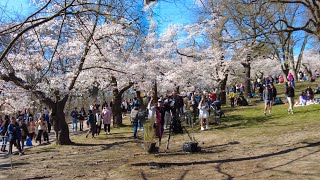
[(99, 122), (203, 113)]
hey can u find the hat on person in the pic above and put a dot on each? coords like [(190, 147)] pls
[(160, 100)]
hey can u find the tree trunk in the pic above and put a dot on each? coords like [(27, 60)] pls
[(117, 110), (285, 70), (223, 84), (155, 90), (59, 123), (247, 83), (117, 99)]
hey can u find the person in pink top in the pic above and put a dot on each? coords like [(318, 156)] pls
[(106, 116), (290, 77)]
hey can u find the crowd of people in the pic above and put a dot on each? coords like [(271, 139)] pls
[(23, 128), (164, 112)]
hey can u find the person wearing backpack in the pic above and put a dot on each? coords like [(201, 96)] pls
[(3, 132), (14, 134)]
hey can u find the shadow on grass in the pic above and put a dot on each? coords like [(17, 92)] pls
[(103, 146), (8, 165), (165, 165)]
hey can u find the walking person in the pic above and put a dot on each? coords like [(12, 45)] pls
[(14, 135), (74, 115), (290, 97), (267, 97), (106, 116), (3, 132), (82, 115), (92, 123)]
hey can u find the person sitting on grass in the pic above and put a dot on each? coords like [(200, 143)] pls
[(309, 94)]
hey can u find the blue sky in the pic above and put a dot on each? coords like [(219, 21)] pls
[(12, 7), (165, 12)]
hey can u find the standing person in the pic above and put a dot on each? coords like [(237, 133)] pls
[(267, 97), (14, 134), (106, 118), (203, 113), (92, 123), (47, 118), (135, 119), (82, 115), (290, 95), (160, 113), (3, 132), (40, 128), (74, 115), (232, 95), (31, 129), (167, 115), (45, 130), (98, 124), (274, 93), (24, 132)]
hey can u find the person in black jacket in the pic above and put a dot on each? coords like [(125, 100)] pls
[(24, 132), (290, 97)]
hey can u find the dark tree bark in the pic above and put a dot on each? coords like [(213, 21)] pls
[(155, 90), (223, 85), (247, 83), (59, 123), (117, 99)]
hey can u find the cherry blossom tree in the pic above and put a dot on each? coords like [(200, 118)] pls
[(56, 51)]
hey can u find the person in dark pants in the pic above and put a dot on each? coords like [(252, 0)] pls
[(92, 123), (14, 133), (106, 116), (82, 115), (24, 132)]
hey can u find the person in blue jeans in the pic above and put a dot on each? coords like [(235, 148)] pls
[(3, 133), (135, 119), (74, 115), (14, 133)]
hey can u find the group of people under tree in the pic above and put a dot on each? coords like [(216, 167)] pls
[(24, 126), (163, 113)]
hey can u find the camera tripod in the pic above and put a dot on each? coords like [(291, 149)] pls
[(170, 132)]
